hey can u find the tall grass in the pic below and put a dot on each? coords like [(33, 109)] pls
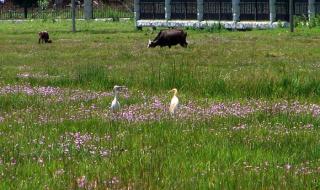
[(221, 64), (162, 156)]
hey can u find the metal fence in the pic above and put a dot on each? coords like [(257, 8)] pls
[(217, 10), (317, 7), (255, 10), (184, 9), (102, 11), (180, 9), (152, 10), (282, 10), (301, 8)]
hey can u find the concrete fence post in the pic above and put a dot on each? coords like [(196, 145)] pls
[(136, 12), (88, 9), (236, 10), (272, 9), (167, 9), (200, 10), (311, 9), (73, 12)]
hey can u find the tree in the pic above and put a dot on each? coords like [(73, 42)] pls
[(43, 4), (26, 4)]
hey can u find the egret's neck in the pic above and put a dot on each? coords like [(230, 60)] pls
[(115, 95), (175, 93)]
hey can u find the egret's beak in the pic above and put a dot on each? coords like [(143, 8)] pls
[(124, 88)]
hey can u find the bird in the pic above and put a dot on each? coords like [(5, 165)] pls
[(174, 101), (115, 105)]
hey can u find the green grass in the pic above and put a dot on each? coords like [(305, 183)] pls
[(226, 65), (50, 141)]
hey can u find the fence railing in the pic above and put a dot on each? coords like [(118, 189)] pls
[(254, 11), (184, 10), (282, 11), (152, 10), (62, 13), (246, 10), (217, 10), (301, 8), (317, 7)]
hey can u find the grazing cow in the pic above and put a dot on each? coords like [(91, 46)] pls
[(169, 38), (44, 37)]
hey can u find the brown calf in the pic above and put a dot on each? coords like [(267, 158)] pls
[(44, 37)]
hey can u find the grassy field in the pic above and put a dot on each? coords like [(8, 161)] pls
[(249, 114)]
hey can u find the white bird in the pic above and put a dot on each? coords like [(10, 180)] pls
[(115, 105), (174, 101)]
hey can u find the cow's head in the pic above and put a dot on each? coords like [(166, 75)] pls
[(151, 44)]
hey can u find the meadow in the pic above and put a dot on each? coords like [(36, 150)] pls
[(249, 114)]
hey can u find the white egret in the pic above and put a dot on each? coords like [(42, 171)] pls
[(174, 101), (115, 105)]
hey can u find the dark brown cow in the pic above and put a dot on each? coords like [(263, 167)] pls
[(44, 37), (169, 38)]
